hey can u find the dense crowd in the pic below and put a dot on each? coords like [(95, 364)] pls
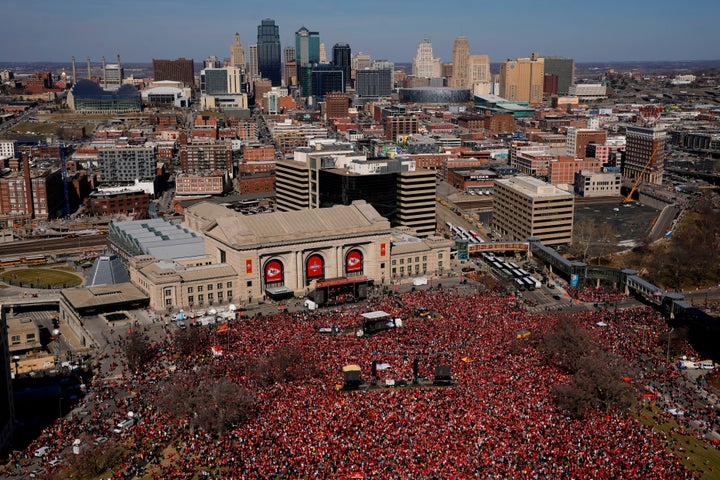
[(497, 420)]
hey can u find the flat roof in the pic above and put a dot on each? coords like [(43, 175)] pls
[(102, 295), (533, 187)]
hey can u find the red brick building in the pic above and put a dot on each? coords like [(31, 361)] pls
[(215, 183), (205, 155), (129, 202), (337, 105), (499, 123), (205, 127), (262, 182), (258, 152), (563, 169)]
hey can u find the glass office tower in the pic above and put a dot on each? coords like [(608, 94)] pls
[(268, 51)]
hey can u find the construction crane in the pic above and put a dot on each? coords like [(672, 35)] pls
[(629, 198)]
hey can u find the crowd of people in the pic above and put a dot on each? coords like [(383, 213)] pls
[(498, 419)]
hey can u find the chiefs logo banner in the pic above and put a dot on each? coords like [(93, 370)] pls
[(353, 261), (273, 271)]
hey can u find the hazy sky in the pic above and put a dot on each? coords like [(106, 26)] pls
[(140, 30)]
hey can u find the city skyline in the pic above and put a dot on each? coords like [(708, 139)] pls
[(614, 31)]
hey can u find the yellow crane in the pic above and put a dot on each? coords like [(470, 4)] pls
[(629, 198)]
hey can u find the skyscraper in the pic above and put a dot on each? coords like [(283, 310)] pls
[(307, 54), (564, 68), (289, 66), (341, 57), (237, 53), (641, 142), (253, 71), (424, 64), (326, 79), (461, 63), (522, 79), (323, 53), (479, 69), (268, 51), (180, 70)]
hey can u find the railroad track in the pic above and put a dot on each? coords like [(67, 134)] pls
[(51, 245)]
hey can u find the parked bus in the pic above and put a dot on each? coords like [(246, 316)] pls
[(529, 284), (519, 284)]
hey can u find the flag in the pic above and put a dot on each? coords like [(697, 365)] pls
[(223, 327)]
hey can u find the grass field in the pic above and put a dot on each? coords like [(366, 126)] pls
[(42, 277), (703, 460)]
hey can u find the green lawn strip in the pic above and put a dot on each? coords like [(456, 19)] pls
[(43, 277), (700, 457)]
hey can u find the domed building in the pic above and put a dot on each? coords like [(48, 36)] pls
[(88, 96)]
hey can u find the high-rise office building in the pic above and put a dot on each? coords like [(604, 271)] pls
[(522, 79), (180, 70), (424, 64), (237, 53), (341, 58), (461, 63), (640, 144), (268, 51), (564, 68), (326, 79), (329, 175), (212, 62), (253, 71), (525, 207), (323, 53), (289, 54), (479, 66), (360, 61), (220, 81), (579, 138), (307, 55), (373, 82)]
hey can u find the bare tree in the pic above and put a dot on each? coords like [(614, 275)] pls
[(591, 239), (565, 344), (137, 350), (207, 401)]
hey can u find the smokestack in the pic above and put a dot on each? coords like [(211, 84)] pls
[(74, 72), (104, 73), (30, 208), (120, 75), (89, 76)]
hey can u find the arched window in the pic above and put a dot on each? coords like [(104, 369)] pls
[(314, 267), (274, 272), (354, 263)]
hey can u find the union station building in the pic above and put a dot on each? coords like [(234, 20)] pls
[(332, 254)]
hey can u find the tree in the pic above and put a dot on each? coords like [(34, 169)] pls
[(565, 344), (591, 239), (137, 350), (206, 400), (598, 383)]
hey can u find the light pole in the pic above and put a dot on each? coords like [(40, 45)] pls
[(668, 346)]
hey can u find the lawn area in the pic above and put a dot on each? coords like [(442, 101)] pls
[(699, 457), (37, 127), (41, 277)]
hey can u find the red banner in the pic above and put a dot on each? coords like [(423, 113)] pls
[(382, 249), (315, 266), (273, 271), (354, 261), (248, 266)]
